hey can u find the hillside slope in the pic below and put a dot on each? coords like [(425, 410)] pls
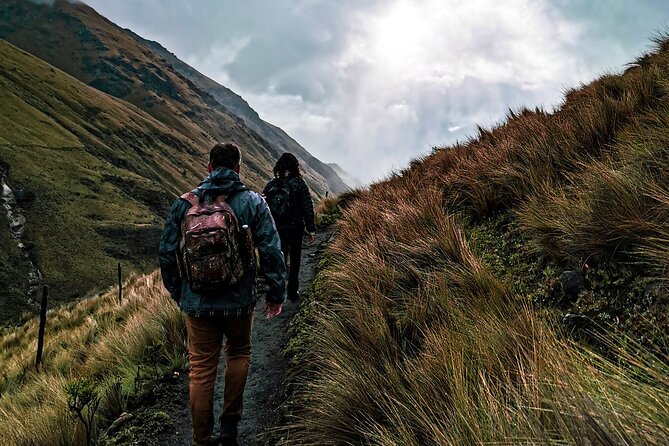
[(510, 290), (76, 39), (96, 152), (98, 175)]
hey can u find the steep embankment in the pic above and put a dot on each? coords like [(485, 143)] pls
[(510, 290)]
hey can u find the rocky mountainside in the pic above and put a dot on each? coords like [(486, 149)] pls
[(238, 106), (349, 179), (76, 39), (98, 134)]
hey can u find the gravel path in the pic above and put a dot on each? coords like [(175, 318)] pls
[(264, 388)]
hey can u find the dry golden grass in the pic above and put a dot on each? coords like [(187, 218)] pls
[(94, 338), (589, 180), (409, 340), (416, 343)]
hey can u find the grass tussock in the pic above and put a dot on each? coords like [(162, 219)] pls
[(411, 338), (95, 339), (329, 209), (416, 343)]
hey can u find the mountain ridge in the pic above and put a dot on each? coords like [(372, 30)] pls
[(240, 107), (345, 176), (76, 39), (103, 134)]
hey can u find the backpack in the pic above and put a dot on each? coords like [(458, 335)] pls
[(277, 195), (214, 251)]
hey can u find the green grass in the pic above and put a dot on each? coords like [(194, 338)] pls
[(329, 210), (103, 175)]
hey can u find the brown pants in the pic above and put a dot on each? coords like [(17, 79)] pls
[(205, 337)]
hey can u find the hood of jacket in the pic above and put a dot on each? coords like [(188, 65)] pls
[(221, 180)]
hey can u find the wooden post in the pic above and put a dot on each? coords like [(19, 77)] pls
[(42, 325), (120, 285)]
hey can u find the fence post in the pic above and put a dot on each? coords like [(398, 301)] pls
[(42, 325), (120, 285)]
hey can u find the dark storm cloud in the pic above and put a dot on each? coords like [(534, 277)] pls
[(373, 84)]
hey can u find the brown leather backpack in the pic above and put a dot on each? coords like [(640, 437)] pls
[(214, 252)]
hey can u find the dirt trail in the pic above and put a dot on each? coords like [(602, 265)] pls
[(264, 389)]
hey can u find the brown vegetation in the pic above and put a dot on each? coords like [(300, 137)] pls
[(95, 339), (410, 338)]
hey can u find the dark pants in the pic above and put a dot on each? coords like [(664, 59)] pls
[(291, 245), (205, 337)]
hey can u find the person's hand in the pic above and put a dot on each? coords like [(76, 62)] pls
[(272, 310), (311, 237)]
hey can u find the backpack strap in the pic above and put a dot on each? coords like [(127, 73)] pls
[(190, 197)]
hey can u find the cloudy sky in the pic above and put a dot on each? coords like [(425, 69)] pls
[(373, 84)]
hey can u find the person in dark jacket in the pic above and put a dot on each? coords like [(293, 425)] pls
[(228, 312), (300, 216)]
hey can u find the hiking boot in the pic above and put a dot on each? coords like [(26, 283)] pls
[(228, 438), (294, 297), (229, 431), (211, 442)]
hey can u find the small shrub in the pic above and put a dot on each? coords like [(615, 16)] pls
[(83, 402), (153, 354)]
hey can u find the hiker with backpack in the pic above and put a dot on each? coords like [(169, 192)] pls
[(208, 265), (289, 199)]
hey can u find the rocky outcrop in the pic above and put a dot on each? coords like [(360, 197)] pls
[(17, 223)]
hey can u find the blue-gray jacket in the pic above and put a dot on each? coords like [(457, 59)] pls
[(251, 210)]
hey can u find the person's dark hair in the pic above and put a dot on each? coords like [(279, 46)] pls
[(286, 166), (225, 155)]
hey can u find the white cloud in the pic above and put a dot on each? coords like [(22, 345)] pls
[(372, 84), (218, 58), (411, 70)]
